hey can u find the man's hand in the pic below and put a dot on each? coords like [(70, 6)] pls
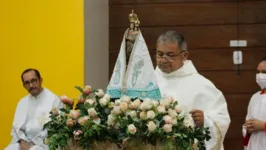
[(198, 117), (24, 145), (254, 125)]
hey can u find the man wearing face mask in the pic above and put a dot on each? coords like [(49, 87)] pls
[(177, 77), (254, 128), (32, 113)]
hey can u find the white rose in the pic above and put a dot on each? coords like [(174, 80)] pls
[(150, 114), (172, 113), (131, 106), (123, 106), (116, 110), (165, 102), (92, 112), (103, 101), (125, 99), (167, 128), (161, 109), (167, 119), (188, 121), (111, 120), (151, 126), (132, 129), (117, 102), (96, 120), (136, 103), (111, 105), (107, 96), (143, 115), (174, 121), (155, 103), (99, 93), (170, 99), (74, 114), (178, 109), (146, 105), (83, 120), (90, 101), (133, 114)]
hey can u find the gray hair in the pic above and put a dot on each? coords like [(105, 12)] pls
[(174, 37)]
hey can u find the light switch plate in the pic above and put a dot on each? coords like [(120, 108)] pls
[(238, 43)]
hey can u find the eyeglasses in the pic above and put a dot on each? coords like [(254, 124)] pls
[(168, 56), (32, 81)]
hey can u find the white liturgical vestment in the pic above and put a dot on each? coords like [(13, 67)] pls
[(30, 116), (257, 110), (193, 91)]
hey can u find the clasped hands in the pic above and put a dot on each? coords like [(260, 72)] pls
[(198, 117), (254, 125)]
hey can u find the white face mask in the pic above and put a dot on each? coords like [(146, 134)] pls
[(261, 80)]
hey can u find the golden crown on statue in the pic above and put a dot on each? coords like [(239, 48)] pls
[(133, 17)]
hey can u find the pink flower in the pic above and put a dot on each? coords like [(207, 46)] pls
[(132, 129), (66, 100), (87, 90), (167, 128), (81, 100), (150, 114), (76, 134), (70, 123), (167, 119), (74, 114)]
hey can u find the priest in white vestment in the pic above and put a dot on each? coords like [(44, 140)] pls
[(177, 77), (255, 126), (32, 113)]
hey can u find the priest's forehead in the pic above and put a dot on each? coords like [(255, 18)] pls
[(262, 67)]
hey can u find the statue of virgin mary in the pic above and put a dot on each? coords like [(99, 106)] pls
[(133, 74)]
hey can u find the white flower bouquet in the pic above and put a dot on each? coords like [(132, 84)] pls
[(95, 118)]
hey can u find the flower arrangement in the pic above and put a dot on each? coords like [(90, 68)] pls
[(94, 118)]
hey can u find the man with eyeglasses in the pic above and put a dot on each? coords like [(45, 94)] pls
[(177, 77), (32, 113)]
